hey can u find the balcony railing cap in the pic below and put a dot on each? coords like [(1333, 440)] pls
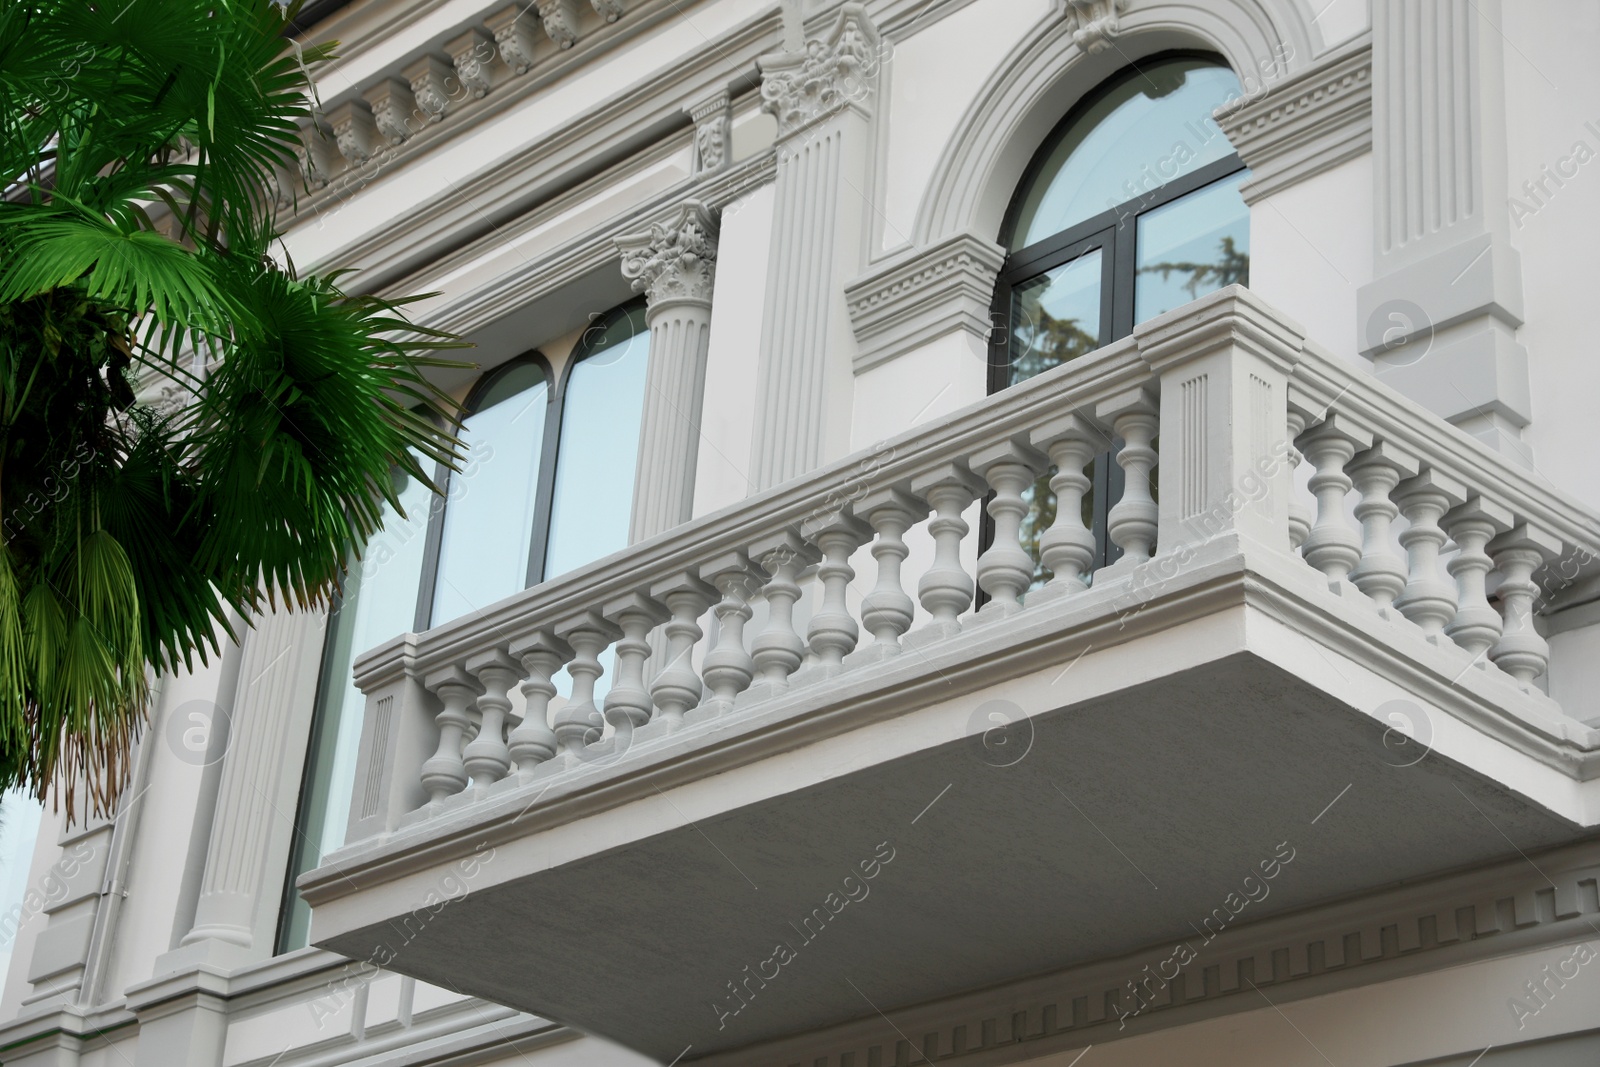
[(1230, 317)]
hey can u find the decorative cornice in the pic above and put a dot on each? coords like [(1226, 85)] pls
[(538, 173), (924, 294), (675, 260), (1445, 922), (1306, 124), (833, 73), (1093, 23)]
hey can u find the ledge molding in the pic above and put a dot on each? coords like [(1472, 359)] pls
[(922, 295), (1306, 124)]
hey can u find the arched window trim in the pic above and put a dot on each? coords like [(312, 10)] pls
[(1113, 230), (442, 474)]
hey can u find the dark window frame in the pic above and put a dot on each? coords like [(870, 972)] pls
[(423, 619)]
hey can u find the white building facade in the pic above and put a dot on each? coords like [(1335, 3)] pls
[(992, 531)]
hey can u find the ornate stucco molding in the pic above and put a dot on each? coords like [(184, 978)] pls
[(922, 295), (1093, 23), (712, 129), (1304, 125), (831, 74), (674, 260)]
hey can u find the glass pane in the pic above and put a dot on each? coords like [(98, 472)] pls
[(488, 518), (379, 602), (1192, 247), (600, 420), (1055, 317), (1152, 126), (20, 815)]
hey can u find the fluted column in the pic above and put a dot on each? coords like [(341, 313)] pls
[(821, 97), (674, 263), (1439, 318), (250, 836)]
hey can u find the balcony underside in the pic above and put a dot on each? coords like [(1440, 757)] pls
[(1166, 759)]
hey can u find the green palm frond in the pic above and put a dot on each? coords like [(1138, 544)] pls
[(135, 269), (138, 142)]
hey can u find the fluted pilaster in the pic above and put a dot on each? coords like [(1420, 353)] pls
[(821, 97)]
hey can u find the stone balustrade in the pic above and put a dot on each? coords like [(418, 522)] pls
[(1217, 405)]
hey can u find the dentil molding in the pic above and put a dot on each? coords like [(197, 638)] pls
[(674, 260), (1290, 130), (923, 294), (1494, 911)]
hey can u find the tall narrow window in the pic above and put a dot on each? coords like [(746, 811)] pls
[(1130, 209), (489, 515), (601, 409), (377, 602)]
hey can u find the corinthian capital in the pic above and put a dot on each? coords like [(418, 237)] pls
[(675, 260), (832, 73)]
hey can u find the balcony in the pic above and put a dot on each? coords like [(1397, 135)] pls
[(837, 807)]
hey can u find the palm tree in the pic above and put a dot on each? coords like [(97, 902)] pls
[(141, 138)]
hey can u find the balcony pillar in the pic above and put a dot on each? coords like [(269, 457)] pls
[(822, 97), (1224, 424), (675, 265), (236, 912), (1439, 320), (398, 734)]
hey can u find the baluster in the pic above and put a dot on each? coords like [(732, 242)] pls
[(579, 724), (444, 774), (487, 759), (1331, 546), (1477, 625), (778, 649), (1006, 570), (1521, 652), (1133, 522), (946, 589), (542, 656), (1381, 573), (887, 611), (728, 668), (628, 705), (677, 687), (1299, 514), (1428, 600), (1067, 547), (833, 632)]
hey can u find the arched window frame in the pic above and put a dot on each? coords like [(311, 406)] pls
[(443, 474), (550, 458), (1113, 231)]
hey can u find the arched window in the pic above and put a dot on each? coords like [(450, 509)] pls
[(1130, 209), (602, 407), (546, 486), (489, 517)]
